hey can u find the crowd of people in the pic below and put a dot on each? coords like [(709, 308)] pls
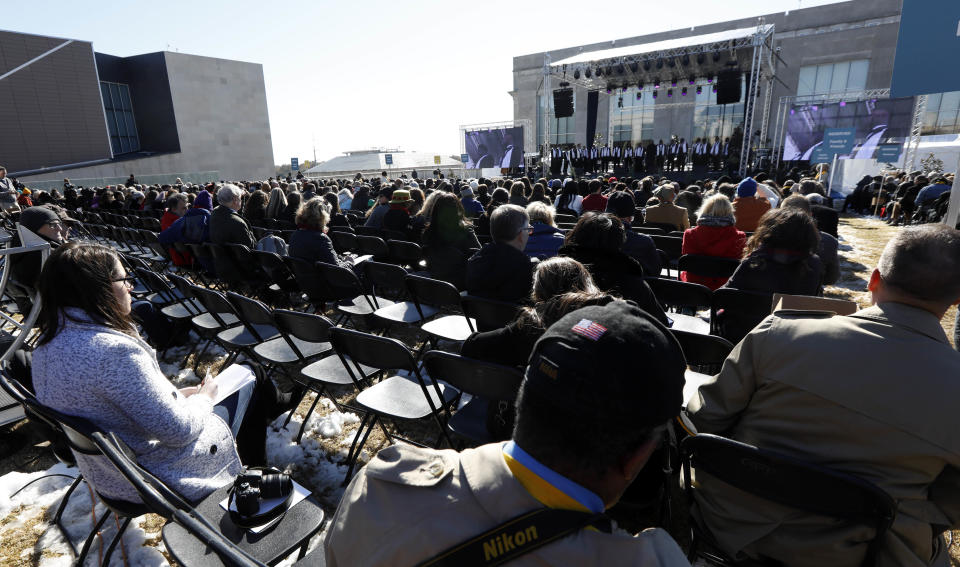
[(603, 372)]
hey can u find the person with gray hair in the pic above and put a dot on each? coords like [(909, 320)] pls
[(500, 270), (871, 395), (226, 224)]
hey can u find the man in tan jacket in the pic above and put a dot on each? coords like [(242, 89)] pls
[(409, 505), (872, 394), (666, 212)]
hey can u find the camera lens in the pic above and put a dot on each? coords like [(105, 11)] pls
[(275, 485)]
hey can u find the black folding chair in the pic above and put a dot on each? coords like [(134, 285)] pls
[(343, 242), (489, 314), (704, 353), (235, 339), (708, 266), (734, 312), (374, 246), (310, 282), (682, 301), (388, 280), (440, 296), (398, 398), (406, 254), (785, 480), (486, 382), (308, 328), (346, 292)]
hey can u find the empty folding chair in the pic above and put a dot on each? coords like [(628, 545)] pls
[(734, 312), (343, 242), (315, 376), (309, 281), (280, 279), (487, 382), (704, 353), (488, 314), (681, 301), (406, 254), (441, 296), (235, 339), (388, 280), (347, 293), (373, 246), (396, 398)]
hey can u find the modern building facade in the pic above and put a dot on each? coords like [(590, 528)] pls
[(824, 52), (67, 111)]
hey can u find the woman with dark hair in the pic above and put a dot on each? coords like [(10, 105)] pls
[(596, 241), (781, 256), (539, 194), (418, 198), (289, 214), (71, 199), (91, 363), (448, 240), (277, 203), (255, 209), (560, 285), (518, 194), (569, 200), (499, 197), (337, 218)]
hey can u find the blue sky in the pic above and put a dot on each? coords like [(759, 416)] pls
[(362, 74)]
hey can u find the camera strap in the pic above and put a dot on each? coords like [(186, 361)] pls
[(517, 536), (260, 519)]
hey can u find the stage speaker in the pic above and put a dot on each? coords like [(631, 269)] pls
[(563, 103), (729, 85)]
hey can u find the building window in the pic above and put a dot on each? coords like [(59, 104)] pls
[(833, 78), (631, 118), (941, 116), (120, 121)]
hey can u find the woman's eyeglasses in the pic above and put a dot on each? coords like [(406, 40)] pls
[(129, 281)]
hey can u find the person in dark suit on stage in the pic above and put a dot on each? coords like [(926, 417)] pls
[(661, 155), (682, 150)]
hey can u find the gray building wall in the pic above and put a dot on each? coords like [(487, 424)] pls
[(50, 110), (221, 120), (856, 29)]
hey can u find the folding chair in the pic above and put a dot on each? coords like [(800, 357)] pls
[(406, 254), (488, 314), (665, 227), (271, 348), (346, 292), (485, 381), (233, 338), (785, 480), (708, 266), (705, 353), (676, 297), (390, 279), (343, 242), (367, 231), (440, 296), (228, 271), (374, 246), (253, 278), (672, 245), (398, 398), (280, 279), (649, 230), (734, 312), (309, 281), (314, 376)]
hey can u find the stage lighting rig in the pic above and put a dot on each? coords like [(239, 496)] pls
[(634, 66), (701, 58), (683, 91), (646, 65), (576, 73), (587, 72), (685, 61), (669, 93)]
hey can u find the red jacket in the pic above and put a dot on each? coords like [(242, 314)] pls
[(722, 241), (179, 259)]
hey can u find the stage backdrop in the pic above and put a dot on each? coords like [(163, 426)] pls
[(876, 122), (498, 147)]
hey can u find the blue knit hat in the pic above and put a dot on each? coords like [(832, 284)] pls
[(747, 188)]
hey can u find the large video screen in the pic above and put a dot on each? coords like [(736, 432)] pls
[(498, 147), (885, 121)]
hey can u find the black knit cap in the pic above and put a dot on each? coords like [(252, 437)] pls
[(615, 359)]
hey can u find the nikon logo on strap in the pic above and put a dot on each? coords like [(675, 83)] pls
[(506, 543), (516, 537)]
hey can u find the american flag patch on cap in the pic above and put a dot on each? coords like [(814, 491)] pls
[(589, 329)]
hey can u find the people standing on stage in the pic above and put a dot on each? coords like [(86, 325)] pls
[(661, 156), (682, 150), (651, 157), (626, 156), (616, 155), (605, 156), (716, 154)]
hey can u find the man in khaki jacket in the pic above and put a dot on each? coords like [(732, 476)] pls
[(666, 212), (872, 394), (588, 418)]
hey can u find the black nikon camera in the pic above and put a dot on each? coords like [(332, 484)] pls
[(253, 485)]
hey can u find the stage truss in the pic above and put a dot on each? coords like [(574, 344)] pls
[(706, 56)]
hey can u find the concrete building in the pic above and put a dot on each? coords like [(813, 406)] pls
[(823, 53), (68, 112)]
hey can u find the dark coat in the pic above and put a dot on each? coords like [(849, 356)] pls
[(500, 271), (544, 242), (510, 346), (447, 257), (778, 273), (641, 248), (615, 272), (228, 227), (827, 219), (313, 246)]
